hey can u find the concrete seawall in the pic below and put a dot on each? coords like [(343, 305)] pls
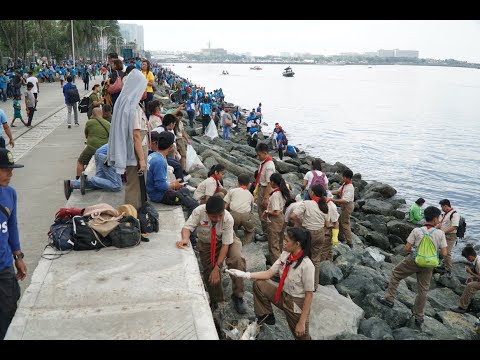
[(151, 291)]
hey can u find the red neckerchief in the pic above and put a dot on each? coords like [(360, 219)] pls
[(328, 200), (445, 215), (268, 158), (274, 191), (243, 187), (218, 182), (157, 115), (345, 183), (213, 245), (315, 198), (291, 259), (429, 226)]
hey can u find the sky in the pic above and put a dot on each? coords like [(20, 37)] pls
[(437, 39)]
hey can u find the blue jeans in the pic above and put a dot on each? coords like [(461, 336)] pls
[(3, 93), (177, 168), (105, 176), (191, 117), (226, 132)]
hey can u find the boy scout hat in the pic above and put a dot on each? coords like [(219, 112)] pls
[(6, 160)]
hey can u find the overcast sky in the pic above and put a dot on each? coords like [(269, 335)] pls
[(438, 39)]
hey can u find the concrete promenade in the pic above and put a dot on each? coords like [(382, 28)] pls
[(152, 291)]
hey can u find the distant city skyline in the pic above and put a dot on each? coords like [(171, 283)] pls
[(437, 39)]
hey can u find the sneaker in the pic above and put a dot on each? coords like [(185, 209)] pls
[(187, 177), (268, 319), (418, 322), (385, 302), (350, 246), (239, 305), (13, 125), (67, 189), (83, 183), (458, 309), (69, 126), (190, 188), (77, 124)]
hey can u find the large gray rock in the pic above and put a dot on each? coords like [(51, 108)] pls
[(375, 206), (412, 284), (372, 258), (230, 166), (406, 333), (400, 228), (332, 314), (361, 281), (245, 149), (451, 283), (395, 317), (407, 297), (442, 298), (436, 330), (194, 181), (360, 230), (283, 167), (304, 168), (338, 167), (349, 336), (461, 325), (379, 240), (395, 241), (375, 328), (367, 195), (209, 162), (384, 189), (378, 222), (330, 274), (346, 261)]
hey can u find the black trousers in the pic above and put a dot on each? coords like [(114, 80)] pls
[(9, 295), (205, 122)]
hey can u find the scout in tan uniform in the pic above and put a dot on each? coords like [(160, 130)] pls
[(408, 266), (294, 293), (265, 170), (449, 225), (473, 283), (181, 135), (314, 215), (216, 242), (211, 185), (239, 202), (274, 215), (346, 194)]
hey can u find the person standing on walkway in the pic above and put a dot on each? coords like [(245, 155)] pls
[(3, 86), (227, 123), (10, 250), (449, 225), (216, 242), (150, 82), (408, 266), (36, 86), (6, 128), (71, 105), (294, 293), (30, 104), (473, 283), (346, 194), (17, 111), (86, 78)]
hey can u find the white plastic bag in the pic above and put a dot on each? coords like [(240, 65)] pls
[(192, 162), (211, 131)]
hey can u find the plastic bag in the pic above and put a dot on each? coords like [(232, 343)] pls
[(211, 130), (192, 162)]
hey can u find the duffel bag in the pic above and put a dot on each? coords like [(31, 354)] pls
[(85, 238), (127, 233)]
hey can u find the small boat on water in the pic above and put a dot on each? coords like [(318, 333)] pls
[(225, 72), (288, 72), (255, 68), (189, 66)]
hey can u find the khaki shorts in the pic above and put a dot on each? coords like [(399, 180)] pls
[(86, 155)]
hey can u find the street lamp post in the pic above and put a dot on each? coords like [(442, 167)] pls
[(116, 42), (73, 44), (101, 28)]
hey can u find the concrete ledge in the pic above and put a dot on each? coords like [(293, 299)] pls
[(151, 291)]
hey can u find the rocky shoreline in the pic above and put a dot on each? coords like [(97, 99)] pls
[(380, 232)]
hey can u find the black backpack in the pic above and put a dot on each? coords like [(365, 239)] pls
[(85, 238), (147, 214), (73, 95), (61, 234), (127, 233), (83, 105), (462, 225)]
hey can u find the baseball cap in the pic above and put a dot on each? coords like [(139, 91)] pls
[(6, 160)]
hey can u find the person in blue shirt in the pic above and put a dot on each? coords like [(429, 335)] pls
[(290, 151), (159, 189), (5, 127), (10, 250), (190, 108), (3, 86), (206, 112), (280, 143), (70, 106)]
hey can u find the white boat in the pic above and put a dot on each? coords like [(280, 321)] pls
[(288, 72), (255, 67)]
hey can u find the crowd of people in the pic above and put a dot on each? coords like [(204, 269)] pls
[(129, 133)]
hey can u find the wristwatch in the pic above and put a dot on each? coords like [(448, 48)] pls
[(19, 256)]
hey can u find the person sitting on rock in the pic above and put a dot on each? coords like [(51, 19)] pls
[(294, 293), (408, 266), (415, 215), (290, 151), (105, 176), (239, 201), (216, 242), (473, 283), (211, 186), (158, 188), (273, 215), (346, 194), (314, 215)]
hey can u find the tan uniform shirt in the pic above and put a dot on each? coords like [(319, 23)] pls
[(290, 209), (438, 237), (332, 214), (298, 280), (312, 217), (240, 200), (267, 170), (206, 187), (446, 222), (276, 201), (179, 134), (199, 219), (348, 193)]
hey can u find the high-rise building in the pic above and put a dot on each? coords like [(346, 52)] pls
[(133, 33), (386, 53), (406, 53)]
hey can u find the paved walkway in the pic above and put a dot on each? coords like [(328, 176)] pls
[(153, 291)]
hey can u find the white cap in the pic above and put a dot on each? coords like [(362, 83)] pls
[(120, 58)]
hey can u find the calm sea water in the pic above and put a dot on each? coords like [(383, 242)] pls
[(415, 128)]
